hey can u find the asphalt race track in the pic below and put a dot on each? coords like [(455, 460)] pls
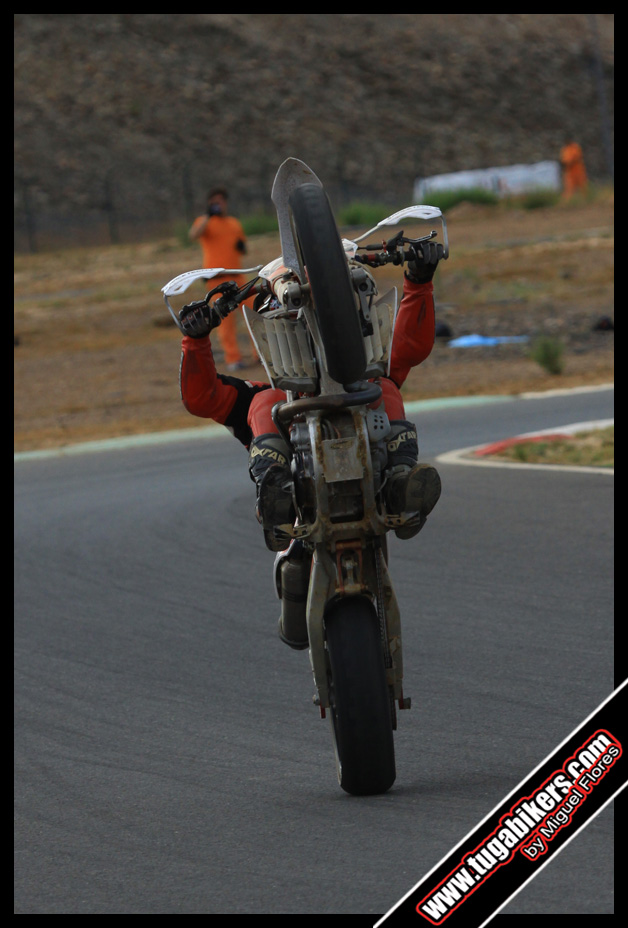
[(168, 758)]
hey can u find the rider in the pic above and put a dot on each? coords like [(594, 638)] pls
[(244, 407)]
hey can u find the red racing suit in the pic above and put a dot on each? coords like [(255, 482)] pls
[(244, 407)]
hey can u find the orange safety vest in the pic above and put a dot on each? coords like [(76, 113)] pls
[(571, 154), (219, 240), (575, 176)]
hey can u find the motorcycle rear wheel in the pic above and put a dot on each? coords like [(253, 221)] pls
[(359, 698), (330, 282)]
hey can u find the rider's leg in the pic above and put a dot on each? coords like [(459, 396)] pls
[(410, 486), (269, 467)]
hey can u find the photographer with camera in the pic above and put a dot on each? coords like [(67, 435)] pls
[(223, 243)]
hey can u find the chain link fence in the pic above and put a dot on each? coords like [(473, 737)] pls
[(119, 210)]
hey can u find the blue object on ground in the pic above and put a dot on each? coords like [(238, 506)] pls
[(471, 341)]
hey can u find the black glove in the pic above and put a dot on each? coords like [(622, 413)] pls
[(198, 319), (424, 261)]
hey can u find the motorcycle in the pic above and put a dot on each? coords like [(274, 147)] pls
[(324, 338)]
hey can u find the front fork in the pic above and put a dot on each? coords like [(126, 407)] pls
[(349, 555), (353, 571)]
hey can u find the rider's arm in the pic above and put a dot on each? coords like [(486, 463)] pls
[(211, 395), (413, 339), (203, 394)]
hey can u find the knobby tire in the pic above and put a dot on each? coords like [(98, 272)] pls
[(330, 282), (360, 698)]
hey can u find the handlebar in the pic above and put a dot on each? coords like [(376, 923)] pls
[(228, 296), (231, 296), (380, 258), (391, 252)]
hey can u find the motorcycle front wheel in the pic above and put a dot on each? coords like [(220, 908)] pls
[(330, 283), (359, 698)]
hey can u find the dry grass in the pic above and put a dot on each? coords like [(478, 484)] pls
[(97, 356), (594, 448)]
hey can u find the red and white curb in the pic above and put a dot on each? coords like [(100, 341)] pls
[(483, 455)]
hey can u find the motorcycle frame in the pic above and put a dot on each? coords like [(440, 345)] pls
[(347, 556)]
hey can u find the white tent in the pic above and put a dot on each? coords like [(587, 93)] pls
[(503, 181)]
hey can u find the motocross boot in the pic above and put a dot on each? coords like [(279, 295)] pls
[(269, 467), (410, 486)]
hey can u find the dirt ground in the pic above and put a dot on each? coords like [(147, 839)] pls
[(96, 353)]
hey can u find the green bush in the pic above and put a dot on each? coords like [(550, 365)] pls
[(364, 214), (180, 232), (259, 223), (369, 214), (537, 199), (548, 353), (447, 199)]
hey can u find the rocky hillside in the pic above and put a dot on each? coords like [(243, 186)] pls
[(144, 111)]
